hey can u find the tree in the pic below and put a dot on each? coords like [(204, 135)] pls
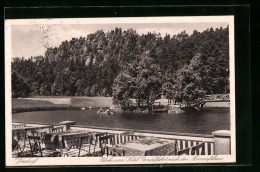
[(19, 86), (123, 89), (190, 81), (141, 81), (148, 81), (167, 87), (74, 67)]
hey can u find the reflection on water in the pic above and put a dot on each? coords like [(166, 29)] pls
[(205, 122)]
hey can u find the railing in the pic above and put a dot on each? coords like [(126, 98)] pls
[(217, 98), (183, 140)]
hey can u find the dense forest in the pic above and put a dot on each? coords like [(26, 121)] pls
[(125, 65)]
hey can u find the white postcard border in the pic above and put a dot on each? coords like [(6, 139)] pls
[(117, 160)]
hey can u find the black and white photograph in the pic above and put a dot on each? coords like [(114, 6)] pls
[(125, 90)]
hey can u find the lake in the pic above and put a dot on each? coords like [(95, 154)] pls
[(211, 119)]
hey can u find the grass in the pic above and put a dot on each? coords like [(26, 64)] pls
[(46, 103), (29, 103), (92, 101), (217, 104)]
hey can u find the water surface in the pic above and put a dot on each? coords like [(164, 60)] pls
[(205, 122)]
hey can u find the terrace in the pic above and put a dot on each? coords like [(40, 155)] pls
[(67, 139)]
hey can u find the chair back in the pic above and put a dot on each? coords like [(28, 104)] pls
[(98, 135), (57, 129), (19, 134), (109, 139), (86, 139), (39, 132), (104, 141), (71, 141), (114, 151), (34, 137)]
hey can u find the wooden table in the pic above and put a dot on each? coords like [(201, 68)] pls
[(20, 125), (21, 133), (65, 139), (28, 128), (149, 146)]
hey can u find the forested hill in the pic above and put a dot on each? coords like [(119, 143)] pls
[(90, 65)]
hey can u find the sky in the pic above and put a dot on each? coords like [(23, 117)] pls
[(32, 40)]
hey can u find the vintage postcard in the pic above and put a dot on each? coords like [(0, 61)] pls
[(120, 91)]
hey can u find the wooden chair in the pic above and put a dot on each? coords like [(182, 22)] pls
[(20, 144), (71, 146), (96, 145), (52, 144), (114, 151), (16, 146), (52, 149), (35, 140), (68, 146), (103, 141), (35, 144), (85, 142), (198, 149)]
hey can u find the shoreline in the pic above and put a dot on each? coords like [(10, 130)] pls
[(54, 103), (35, 109)]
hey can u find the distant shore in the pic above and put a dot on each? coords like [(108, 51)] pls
[(45, 103)]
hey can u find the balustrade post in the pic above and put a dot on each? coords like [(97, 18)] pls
[(222, 144), (67, 124)]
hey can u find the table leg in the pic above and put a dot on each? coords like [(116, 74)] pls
[(31, 147), (40, 147), (80, 143), (61, 141)]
